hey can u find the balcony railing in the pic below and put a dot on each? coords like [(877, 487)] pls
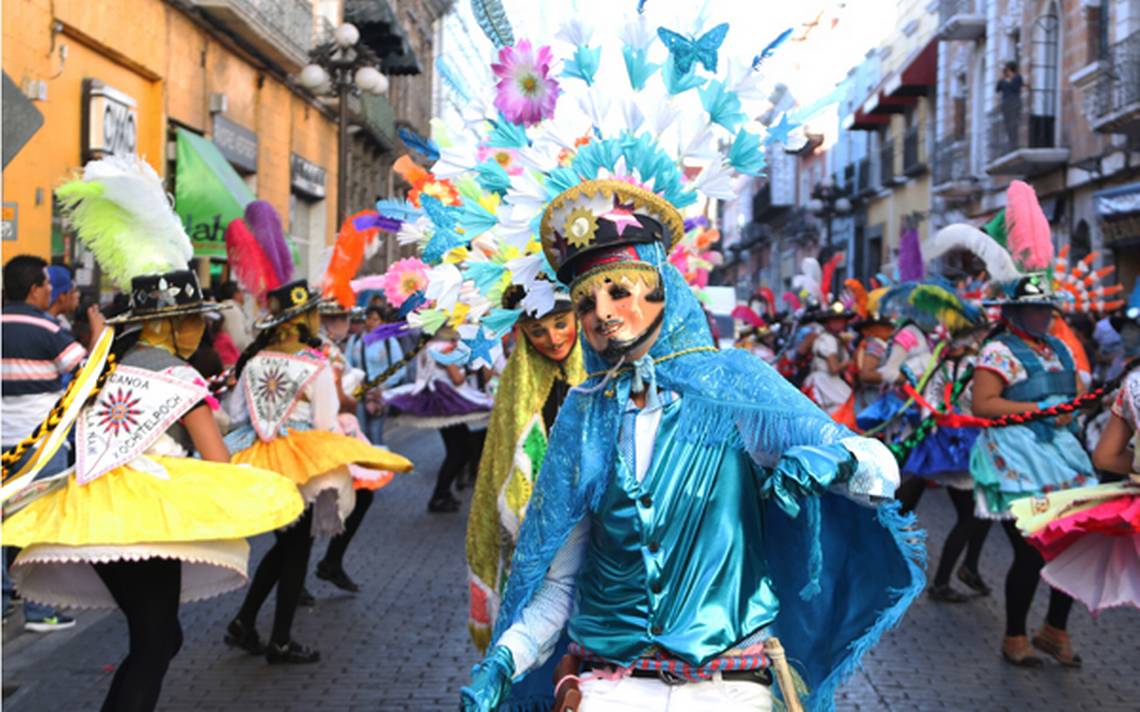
[(887, 164), (863, 182), (1116, 95), (951, 169), (279, 29), (1022, 142), (914, 152), (961, 19)]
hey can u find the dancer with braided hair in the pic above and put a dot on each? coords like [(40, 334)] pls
[(1022, 368), (285, 414), (138, 524)]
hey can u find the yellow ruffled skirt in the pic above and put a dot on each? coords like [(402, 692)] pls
[(200, 514), (318, 462)]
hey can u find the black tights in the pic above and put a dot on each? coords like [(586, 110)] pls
[(456, 439), (285, 565), (909, 493), (1021, 584), (147, 592), (969, 533), (334, 554)]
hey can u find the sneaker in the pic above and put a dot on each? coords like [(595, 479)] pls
[(337, 577), (50, 624)]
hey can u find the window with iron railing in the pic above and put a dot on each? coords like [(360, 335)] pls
[(914, 157), (887, 163), (863, 181), (1119, 82)]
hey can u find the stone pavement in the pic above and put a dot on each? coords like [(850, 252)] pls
[(401, 644)]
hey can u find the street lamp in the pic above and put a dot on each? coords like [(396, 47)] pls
[(828, 201), (340, 67)]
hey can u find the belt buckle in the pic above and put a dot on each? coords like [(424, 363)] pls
[(670, 678)]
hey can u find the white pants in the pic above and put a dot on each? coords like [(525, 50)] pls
[(640, 694)]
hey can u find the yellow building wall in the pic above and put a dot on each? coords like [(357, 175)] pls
[(170, 70)]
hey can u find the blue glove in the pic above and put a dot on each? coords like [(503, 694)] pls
[(490, 682)]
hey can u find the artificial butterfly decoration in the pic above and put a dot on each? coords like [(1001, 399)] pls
[(641, 7), (771, 48), (687, 50)]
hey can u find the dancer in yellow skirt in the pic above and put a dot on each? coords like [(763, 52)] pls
[(284, 410), (137, 523)]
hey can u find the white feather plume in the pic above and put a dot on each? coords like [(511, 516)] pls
[(122, 213), (961, 236)]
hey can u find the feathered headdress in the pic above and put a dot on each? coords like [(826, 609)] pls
[(545, 151), (1085, 285), (960, 236), (258, 254), (910, 256), (358, 239), (936, 302), (121, 213)]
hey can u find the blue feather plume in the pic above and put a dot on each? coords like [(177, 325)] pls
[(492, 18), (771, 48), (424, 146)]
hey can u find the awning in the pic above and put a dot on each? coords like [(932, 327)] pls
[(918, 74), (380, 29), (880, 104), (208, 193), (860, 121), (1116, 203)]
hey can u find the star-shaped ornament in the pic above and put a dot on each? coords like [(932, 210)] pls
[(622, 218), (481, 347)]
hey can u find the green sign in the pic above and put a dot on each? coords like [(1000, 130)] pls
[(208, 193)]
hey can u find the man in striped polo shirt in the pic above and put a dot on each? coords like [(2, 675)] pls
[(36, 354)]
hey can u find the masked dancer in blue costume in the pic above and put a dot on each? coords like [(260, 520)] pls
[(692, 505)]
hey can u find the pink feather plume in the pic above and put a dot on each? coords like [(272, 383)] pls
[(248, 262), (792, 300), (748, 316), (1029, 238)]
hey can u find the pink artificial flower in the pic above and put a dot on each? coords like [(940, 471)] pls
[(526, 91), (508, 158), (403, 279)]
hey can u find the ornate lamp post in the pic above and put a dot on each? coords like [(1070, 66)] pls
[(827, 202), (340, 67)]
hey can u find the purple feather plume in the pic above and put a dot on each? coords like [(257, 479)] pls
[(910, 256), (266, 227), (385, 331)]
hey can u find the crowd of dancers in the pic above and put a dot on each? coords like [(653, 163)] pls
[(657, 523)]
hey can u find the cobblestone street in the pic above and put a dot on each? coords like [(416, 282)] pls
[(401, 644)]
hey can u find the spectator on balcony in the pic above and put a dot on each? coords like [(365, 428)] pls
[(1009, 87)]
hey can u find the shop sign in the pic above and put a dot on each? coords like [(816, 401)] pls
[(237, 143), (308, 178), (110, 121), (8, 227)]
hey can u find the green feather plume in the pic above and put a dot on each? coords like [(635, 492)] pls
[(121, 213), (943, 305)]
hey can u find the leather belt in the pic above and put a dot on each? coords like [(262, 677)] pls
[(760, 676)]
